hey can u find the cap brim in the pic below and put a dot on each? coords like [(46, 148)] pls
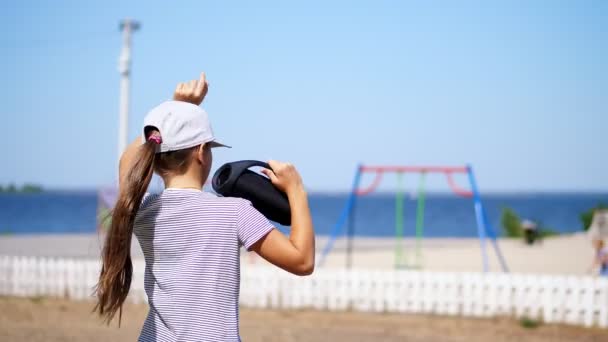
[(214, 143)]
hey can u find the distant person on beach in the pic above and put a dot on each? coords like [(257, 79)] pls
[(191, 239), (600, 260), (530, 229)]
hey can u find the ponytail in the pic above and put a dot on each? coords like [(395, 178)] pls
[(117, 268)]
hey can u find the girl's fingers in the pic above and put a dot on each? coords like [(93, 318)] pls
[(266, 172), (269, 174), (202, 82)]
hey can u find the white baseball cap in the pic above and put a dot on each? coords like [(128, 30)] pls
[(181, 125)]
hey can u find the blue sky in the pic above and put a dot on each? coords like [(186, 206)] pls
[(517, 88)]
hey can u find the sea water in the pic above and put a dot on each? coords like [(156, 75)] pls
[(445, 215)]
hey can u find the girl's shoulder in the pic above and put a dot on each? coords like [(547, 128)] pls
[(224, 205)]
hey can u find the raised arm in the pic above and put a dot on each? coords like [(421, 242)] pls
[(126, 160), (193, 92), (295, 254)]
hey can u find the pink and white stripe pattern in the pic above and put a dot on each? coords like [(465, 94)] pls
[(191, 242)]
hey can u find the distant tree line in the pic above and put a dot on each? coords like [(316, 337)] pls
[(24, 189)]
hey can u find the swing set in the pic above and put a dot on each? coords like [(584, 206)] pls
[(484, 229)]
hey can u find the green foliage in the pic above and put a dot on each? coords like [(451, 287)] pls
[(511, 223), (529, 323), (26, 189), (511, 226), (586, 217), (104, 218), (31, 188), (544, 232)]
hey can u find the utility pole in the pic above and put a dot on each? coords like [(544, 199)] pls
[(127, 26)]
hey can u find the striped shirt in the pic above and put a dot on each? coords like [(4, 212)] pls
[(191, 242)]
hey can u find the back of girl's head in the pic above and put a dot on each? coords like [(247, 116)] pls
[(174, 163)]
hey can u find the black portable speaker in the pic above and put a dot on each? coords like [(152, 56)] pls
[(236, 180)]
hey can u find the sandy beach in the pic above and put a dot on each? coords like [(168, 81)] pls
[(566, 254), (52, 320)]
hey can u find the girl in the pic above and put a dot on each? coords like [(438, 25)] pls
[(191, 239)]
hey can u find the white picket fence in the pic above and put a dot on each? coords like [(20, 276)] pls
[(553, 299)]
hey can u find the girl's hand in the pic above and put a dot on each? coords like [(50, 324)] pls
[(192, 92), (284, 176), (295, 254)]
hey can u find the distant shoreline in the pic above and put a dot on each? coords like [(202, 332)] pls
[(24, 189)]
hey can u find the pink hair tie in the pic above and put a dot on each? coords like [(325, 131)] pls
[(156, 138)]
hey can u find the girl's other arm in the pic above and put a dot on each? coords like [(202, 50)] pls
[(295, 254), (126, 160)]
